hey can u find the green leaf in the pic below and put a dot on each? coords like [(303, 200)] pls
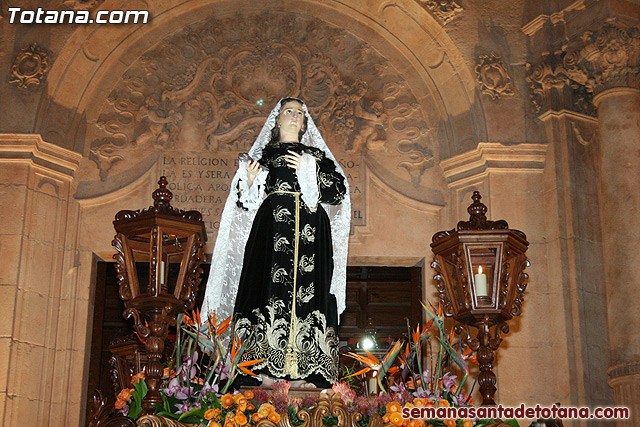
[(192, 419), (168, 415), (202, 341), (512, 422), (193, 411), (165, 403)]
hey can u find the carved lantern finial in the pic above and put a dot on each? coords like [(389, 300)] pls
[(481, 282), (162, 195), (159, 252)]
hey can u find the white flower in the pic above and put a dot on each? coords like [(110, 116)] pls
[(325, 179), (307, 263), (280, 243), (282, 186), (308, 233), (282, 215), (278, 275), (305, 294)]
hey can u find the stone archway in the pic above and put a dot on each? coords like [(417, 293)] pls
[(386, 87), (414, 107)]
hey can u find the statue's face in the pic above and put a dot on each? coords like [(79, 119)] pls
[(290, 120)]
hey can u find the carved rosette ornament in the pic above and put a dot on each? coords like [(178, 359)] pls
[(493, 76), (603, 59), (444, 10), (30, 66)]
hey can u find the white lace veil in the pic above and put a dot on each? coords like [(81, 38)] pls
[(235, 225)]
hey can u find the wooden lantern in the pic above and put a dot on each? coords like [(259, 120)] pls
[(481, 282), (149, 244)]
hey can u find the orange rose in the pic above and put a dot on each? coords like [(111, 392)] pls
[(256, 417), (413, 423), (419, 402), (467, 423), (420, 423), (240, 419), (393, 407), (137, 377), (450, 422), (241, 402), (274, 417), (409, 405), (385, 419), (269, 406), (212, 413), (125, 394), (251, 407), (248, 394), (227, 401), (444, 403), (120, 404), (214, 424), (263, 412), (265, 409), (229, 424), (396, 418)]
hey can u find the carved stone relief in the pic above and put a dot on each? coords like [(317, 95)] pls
[(551, 88), (201, 96), (443, 10), (30, 66), (81, 4), (608, 58), (493, 76), (601, 60)]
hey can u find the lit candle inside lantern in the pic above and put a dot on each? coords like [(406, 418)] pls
[(480, 280)]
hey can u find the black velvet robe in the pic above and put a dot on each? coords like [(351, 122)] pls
[(283, 227)]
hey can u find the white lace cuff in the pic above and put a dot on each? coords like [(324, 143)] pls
[(308, 180), (250, 197)]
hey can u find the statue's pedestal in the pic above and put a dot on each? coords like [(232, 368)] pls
[(297, 392)]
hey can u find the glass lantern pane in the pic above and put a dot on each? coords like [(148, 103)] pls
[(173, 248), (483, 266), (455, 291), (173, 271), (141, 260)]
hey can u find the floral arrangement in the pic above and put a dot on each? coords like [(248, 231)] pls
[(198, 380)]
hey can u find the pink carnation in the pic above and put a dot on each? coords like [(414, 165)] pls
[(281, 387), (343, 388), (281, 403)]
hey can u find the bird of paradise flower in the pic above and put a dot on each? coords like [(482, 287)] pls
[(207, 335), (413, 351), (374, 365)]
